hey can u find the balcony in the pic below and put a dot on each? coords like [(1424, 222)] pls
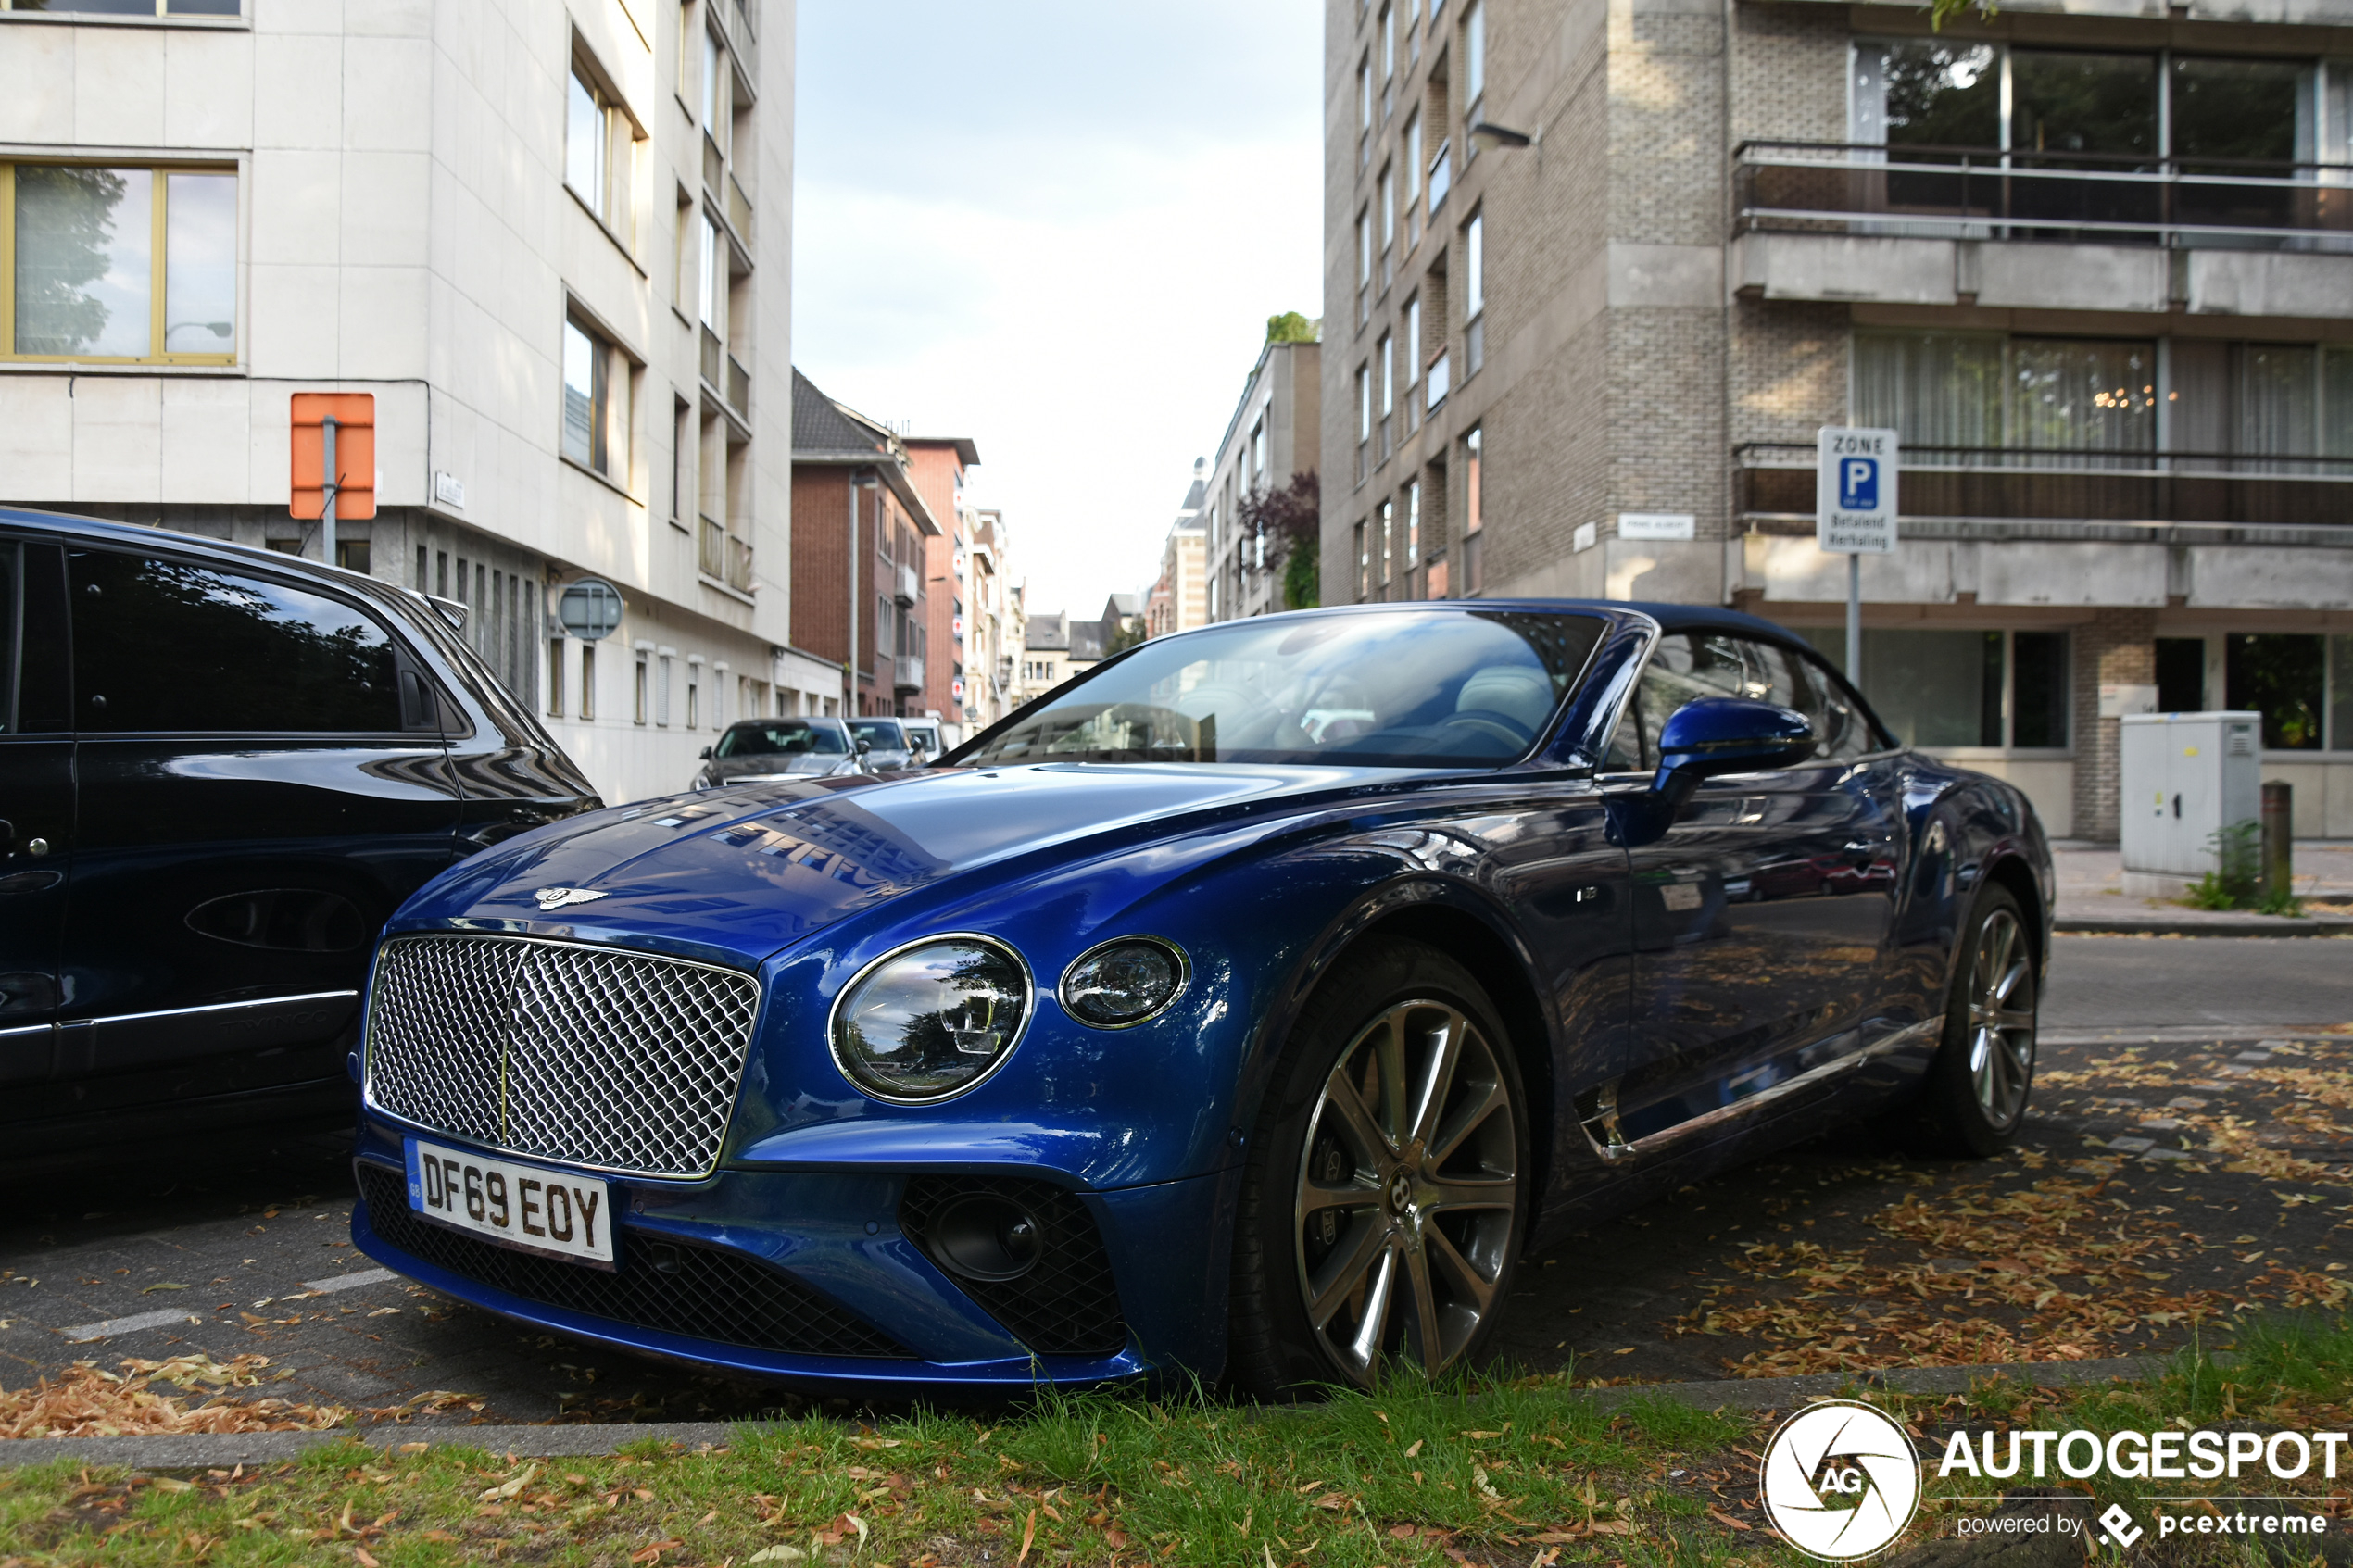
[(738, 211), (711, 557), (738, 387), (1986, 194), (906, 583), (907, 677), (1774, 486), (739, 566)]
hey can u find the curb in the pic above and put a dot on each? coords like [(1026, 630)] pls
[(2228, 925), (199, 1450)]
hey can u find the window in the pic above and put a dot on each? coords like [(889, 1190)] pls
[(2284, 677), (711, 286), (1958, 390), (1388, 374), (597, 144), (1474, 69), (423, 580), (1474, 540), (1388, 44), (1473, 293), (1933, 689), (1363, 566), (555, 677), (1364, 406), (711, 86), (1413, 159), (132, 8), (1258, 450), (596, 415), (1365, 96), (1364, 249), (1387, 217), (1413, 528), (637, 712), (159, 645), (661, 690), (1387, 527), (119, 262), (1688, 665), (682, 461), (587, 681), (1414, 340)]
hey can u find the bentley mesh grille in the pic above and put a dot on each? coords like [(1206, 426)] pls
[(591, 1056), (703, 1292)]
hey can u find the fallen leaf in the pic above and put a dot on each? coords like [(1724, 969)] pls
[(1723, 1518), (1416, 1449), (365, 1558), (650, 1553), (150, 1290), (778, 1554), (1029, 1534), (512, 1487)]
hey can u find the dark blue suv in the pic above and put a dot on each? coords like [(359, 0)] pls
[(221, 769)]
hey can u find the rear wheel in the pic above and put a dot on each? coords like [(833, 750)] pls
[(1381, 1209), (1975, 1098)]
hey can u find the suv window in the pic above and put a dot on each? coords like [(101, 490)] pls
[(1695, 664), (165, 645)]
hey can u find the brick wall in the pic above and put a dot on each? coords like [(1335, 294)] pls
[(819, 540), (2116, 645)]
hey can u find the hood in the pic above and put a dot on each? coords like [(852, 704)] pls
[(750, 869), (806, 764)]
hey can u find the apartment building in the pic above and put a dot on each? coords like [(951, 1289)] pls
[(1597, 270), (861, 599), (989, 597), (1275, 434), (939, 468), (1179, 598), (535, 259)]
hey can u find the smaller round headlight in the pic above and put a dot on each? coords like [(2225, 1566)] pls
[(931, 1020), (1124, 981)]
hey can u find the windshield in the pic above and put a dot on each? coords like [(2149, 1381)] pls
[(781, 737), (883, 734), (1416, 688)]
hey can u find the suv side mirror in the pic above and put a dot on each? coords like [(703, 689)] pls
[(706, 753), (864, 746), (1711, 735)]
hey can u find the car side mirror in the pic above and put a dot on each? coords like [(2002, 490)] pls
[(864, 746), (1712, 735), (706, 753)]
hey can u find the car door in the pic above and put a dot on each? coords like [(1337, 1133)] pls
[(261, 781), (36, 807), (1762, 915)]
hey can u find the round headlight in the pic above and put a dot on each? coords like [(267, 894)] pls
[(1123, 982), (931, 1020)]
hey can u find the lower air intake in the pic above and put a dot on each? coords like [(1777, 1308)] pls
[(701, 1292), (1064, 1301)]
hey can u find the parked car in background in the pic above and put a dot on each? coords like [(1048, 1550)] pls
[(925, 735), (889, 746), (1249, 1004), (221, 769), (780, 748)]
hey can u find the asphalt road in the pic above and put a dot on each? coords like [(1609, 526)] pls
[(242, 1246)]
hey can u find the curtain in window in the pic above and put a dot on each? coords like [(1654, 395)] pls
[(2336, 403), (1932, 389), (2279, 397), (2078, 396)]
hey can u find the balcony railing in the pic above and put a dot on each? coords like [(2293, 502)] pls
[(714, 356), (908, 675), (739, 566), (714, 168), (906, 583), (739, 386), (1985, 193), (738, 211), (1776, 480), (710, 557)]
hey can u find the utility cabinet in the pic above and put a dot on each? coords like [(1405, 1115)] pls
[(2183, 777)]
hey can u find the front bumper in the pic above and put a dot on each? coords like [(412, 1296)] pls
[(813, 1277)]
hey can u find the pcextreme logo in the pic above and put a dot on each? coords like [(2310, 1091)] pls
[(1839, 1481)]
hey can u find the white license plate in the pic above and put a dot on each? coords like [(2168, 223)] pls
[(526, 1206)]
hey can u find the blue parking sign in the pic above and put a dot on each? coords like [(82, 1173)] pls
[(1859, 484)]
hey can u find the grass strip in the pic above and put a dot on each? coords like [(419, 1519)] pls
[(1521, 1472)]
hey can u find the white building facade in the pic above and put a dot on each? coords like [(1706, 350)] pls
[(543, 250)]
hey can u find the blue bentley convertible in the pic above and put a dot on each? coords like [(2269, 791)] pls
[(1247, 1005)]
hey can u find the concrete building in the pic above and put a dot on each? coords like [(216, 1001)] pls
[(1276, 432), (2095, 267), (541, 256), (1179, 598), (860, 597), (1055, 648)]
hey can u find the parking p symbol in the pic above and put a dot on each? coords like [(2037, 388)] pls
[(1859, 484)]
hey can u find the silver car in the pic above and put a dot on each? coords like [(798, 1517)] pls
[(775, 748)]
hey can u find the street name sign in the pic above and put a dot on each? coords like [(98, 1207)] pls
[(1854, 491)]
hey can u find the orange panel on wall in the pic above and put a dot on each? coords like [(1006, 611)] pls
[(355, 417)]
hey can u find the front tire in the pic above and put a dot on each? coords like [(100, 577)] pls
[(1975, 1099), (1383, 1197)]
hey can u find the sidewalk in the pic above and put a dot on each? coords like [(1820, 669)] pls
[(2091, 896)]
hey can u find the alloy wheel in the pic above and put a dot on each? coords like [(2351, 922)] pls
[(2001, 1020), (1408, 1193)]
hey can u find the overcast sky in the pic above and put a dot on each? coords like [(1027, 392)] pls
[(1057, 227)]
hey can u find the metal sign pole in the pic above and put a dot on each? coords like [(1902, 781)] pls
[(327, 476), (1855, 621)]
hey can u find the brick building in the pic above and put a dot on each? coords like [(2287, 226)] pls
[(937, 464), (1179, 598), (2097, 270), (859, 552)]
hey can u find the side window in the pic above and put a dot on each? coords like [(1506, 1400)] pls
[(1846, 732), (7, 636), (163, 645)]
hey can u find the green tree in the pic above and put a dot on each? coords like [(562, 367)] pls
[(1291, 520), (1292, 327)]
